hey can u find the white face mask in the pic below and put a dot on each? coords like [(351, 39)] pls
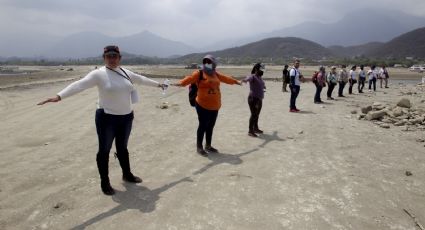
[(208, 66)]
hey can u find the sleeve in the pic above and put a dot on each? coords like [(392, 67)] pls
[(292, 74), (226, 79), (190, 79), (89, 81), (247, 78), (142, 80)]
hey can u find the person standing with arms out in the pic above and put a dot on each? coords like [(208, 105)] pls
[(294, 85), (342, 80), (332, 79), (383, 74), (372, 75), (362, 79), (208, 100), (352, 79), (255, 98), (285, 78), (320, 82), (114, 115)]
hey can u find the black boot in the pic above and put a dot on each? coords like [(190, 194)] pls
[(102, 165), (124, 160)]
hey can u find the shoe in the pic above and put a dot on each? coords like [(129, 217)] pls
[(258, 131), (292, 110), (318, 102), (107, 188), (387, 87), (211, 149), (252, 134), (131, 178), (332, 98), (202, 152), (297, 110)]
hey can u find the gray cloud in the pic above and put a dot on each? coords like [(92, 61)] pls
[(190, 21)]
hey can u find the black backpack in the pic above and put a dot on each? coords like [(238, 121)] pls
[(193, 90)]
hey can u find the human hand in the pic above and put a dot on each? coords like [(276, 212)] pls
[(52, 99)]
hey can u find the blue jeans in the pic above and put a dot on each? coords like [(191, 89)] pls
[(372, 81), (295, 90), (341, 88), (110, 127), (318, 91)]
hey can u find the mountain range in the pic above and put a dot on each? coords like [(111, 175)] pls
[(353, 35)]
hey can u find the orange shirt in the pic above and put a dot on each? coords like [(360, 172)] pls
[(209, 96)]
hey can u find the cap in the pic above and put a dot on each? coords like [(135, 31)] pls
[(111, 50)]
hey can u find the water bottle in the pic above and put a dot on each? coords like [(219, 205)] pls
[(166, 84)]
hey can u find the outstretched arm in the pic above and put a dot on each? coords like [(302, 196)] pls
[(52, 99)]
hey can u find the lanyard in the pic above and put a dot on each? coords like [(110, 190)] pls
[(126, 76)]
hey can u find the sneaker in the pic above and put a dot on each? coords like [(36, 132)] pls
[(258, 131), (131, 178), (292, 110), (211, 149), (252, 134), (202, 152), (297, 110), (107, 188)]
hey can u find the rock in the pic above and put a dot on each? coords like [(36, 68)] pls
[(404, 102), (388, 121), (375, 115), (385, 126), (301, 132), (420, 140), (366, 109), (397, 111), (408, 173), (400, 123), (416, 120), (378, 106), (354, 112), (361, 116)]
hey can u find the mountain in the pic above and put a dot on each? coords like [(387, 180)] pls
[(286, 48), (89, 44), (354, 51), (358, 27), (411, 44)]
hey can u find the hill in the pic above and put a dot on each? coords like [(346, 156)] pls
[(270, 48), (411, 44), (354, 51)]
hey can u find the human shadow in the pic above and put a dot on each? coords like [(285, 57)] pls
[(134, 197), (306, 112), (221, 158), (268, 138)]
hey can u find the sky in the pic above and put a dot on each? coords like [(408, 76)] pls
[(187, 21)]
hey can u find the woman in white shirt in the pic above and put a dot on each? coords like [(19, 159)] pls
[(352, 79), (383, 76), (114, 115), (372, 75)]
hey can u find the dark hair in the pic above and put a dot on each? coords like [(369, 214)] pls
[(286, 66), (373, 67), (353, 67), (256, 67), (361, 66)]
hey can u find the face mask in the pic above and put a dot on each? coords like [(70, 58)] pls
[(208, 66), (260, 73)]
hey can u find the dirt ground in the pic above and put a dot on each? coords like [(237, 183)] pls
[(318, 169)]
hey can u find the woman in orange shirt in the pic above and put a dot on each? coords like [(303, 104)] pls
[(208, 100)]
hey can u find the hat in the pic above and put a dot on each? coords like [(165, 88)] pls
[(111, 50), (211, 58)]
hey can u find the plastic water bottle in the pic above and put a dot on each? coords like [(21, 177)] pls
[(166, 84)]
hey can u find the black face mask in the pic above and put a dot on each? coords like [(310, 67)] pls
[(260, 73)]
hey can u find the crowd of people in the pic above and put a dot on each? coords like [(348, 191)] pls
[(322, 79), (114, 114)]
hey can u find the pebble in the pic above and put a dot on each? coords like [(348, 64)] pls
[(408, 173)]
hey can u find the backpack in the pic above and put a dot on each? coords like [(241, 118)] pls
[(193, 90), (314, 77)]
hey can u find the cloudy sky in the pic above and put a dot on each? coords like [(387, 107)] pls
[(180, 20)]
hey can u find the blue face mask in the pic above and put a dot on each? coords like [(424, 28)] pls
[(208, 67)]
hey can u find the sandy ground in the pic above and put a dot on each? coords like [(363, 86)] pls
[(319, 169)]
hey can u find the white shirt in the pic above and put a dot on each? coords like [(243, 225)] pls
[(362, 74), (353, 74), (296, 73), (114, 89), (373, 74)]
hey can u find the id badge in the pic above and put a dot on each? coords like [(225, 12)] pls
[(134, 96)]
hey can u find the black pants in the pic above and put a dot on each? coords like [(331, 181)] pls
[(341, 88), (350, 88), (318, 91), (255, 105), (372, 81), (207, 119), (295, 90), (361, 84), (110, 127), (331, 87)]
